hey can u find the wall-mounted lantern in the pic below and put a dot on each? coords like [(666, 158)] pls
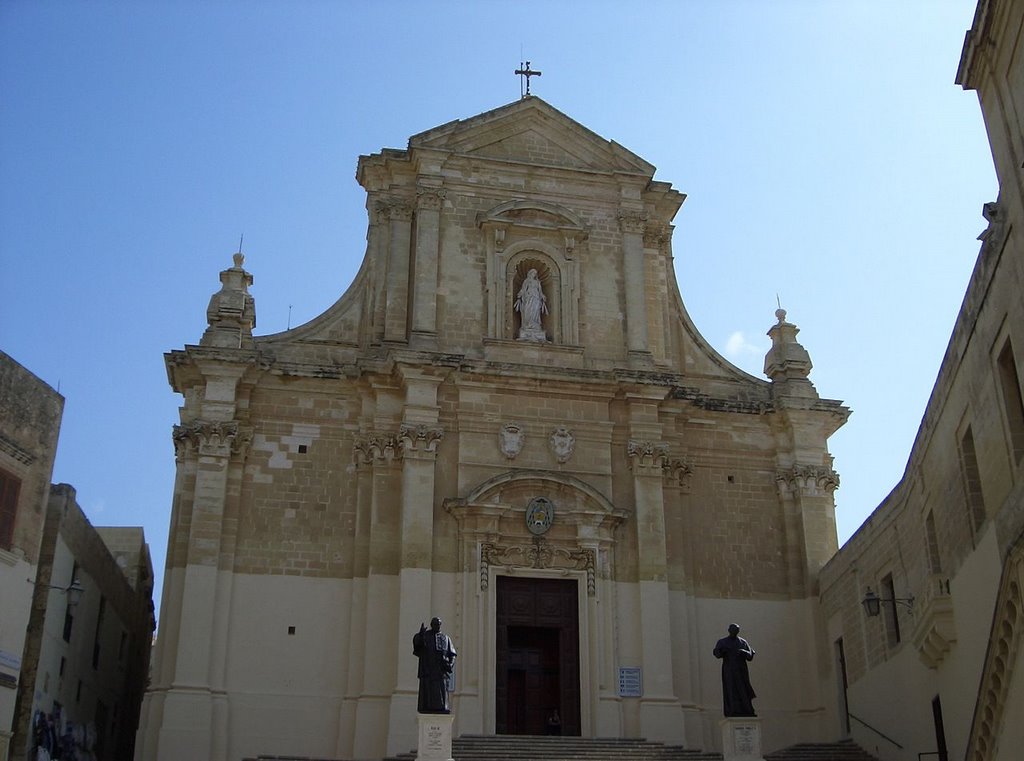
[(873, 603)]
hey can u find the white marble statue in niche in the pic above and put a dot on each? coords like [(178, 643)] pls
[(532, 305)]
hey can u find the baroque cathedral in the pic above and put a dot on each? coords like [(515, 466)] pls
[(581, 488), (510, 422)]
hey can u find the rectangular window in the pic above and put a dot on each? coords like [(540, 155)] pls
[(99, 629), (971, 478), (10, 486), (892, 621), (934, 558), (1013, 405), (69, 613), (940, 732)]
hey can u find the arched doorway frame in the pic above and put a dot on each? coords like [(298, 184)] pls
[(494, 542)]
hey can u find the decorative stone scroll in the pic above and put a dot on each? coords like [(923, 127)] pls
[(647, 454), (808, 479), (210, 439), (539, 554), (563, 443)]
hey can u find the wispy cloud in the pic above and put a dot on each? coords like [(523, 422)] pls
[(738, 347)]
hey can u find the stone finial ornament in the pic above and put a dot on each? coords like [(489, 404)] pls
[(787, 363), (231, 315)]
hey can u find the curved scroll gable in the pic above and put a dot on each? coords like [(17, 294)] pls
[(343, 322)]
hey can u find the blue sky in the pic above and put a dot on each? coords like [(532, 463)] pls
[(827, 155)]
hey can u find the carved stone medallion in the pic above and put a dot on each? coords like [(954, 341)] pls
[(511, 438), (540, 514), (562, 443)]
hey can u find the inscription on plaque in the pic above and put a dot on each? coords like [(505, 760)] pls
[(745, 740), (630, 682)]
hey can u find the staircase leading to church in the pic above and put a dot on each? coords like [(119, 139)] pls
[(541, 748), (845, 750), (544, 748)]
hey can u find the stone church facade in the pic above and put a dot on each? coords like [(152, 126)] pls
[(578, 485)]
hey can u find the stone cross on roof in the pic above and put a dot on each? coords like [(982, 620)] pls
[(526, 72)]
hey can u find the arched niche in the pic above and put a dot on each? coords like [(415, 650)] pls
[(551, 237), (517, 271)]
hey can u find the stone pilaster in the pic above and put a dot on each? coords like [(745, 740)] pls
[(193, 667), (806, 492), (377, 251), (419, 437), (383, 453), (632, 224), (363, 458), (660, 713), (428, 232), (397, 296)]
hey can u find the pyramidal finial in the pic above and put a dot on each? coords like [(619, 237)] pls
[(787, 363), (231, 315)]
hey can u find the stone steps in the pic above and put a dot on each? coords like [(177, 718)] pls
[(844, 750), (545, 748)]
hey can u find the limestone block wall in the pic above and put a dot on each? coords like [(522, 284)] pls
[(947, 534), (30, 416)]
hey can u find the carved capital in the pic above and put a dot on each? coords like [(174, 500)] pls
[(647, 455), (632, 221), (430, 199), (377, 448), (657, 236), (679, 471), (808, 480), (396, 209), (379, 213), (420, 438), (210, 439)]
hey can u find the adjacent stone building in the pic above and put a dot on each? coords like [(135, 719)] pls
[(30, 415), (509, 421), (86, 655), (938, 671)]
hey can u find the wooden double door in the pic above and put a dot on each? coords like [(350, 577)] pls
[(538, 659)]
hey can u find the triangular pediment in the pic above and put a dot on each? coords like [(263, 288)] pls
[(533, 132)]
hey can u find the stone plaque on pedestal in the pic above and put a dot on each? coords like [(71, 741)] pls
[(741, 739), (435, 737)]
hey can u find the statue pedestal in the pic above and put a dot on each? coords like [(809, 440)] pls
[(435, 737), (741, 738)]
